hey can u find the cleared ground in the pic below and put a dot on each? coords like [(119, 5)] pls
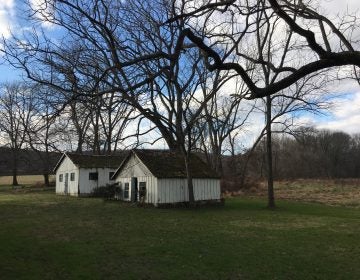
[(343, 192), (24, 180), (44, 236)]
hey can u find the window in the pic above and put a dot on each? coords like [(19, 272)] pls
[(142, 187), (142, 190), (126, 191), (72, 176), (110, 175), (93, 176), (61, 176)]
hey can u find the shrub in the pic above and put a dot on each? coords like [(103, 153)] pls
[(231, 186), (110, 191)]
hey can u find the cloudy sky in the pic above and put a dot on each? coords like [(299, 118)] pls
[(346, 113), (345, 116)]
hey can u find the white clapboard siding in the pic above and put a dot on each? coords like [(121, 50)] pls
[(87, 186), (151, 188), (67, 167), (135, 168), (173, 190), (165, 190), (81, 185), (206, 189)]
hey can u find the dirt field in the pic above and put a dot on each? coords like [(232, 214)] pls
[(24, 180)]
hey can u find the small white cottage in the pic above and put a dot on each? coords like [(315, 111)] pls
[(159, 177), (78, 174)]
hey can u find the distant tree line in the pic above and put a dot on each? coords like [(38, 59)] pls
[(310, 153)]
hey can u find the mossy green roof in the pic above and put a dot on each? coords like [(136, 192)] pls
[(93, 161), (168, 164), (96, 161)]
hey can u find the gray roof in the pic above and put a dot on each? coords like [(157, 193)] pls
[(169, 164), (93, 161)]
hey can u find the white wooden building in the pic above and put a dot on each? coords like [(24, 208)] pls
[(159, 177), (78, 174)]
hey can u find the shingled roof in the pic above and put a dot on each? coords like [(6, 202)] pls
[(93, 161), (168, 164)]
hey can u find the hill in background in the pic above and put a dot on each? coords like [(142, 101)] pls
[(29, 162)]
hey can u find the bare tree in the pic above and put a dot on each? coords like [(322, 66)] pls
[(298, 97), (311, 153), (16, 110), (109, 118), (132, 55), (325, 44), (147, 52), (224, 117), (42, 132)]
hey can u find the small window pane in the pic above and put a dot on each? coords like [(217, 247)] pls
[(126, 191), (72, 176), (142, 189), (93, 176), (142, 185), (60, 177)]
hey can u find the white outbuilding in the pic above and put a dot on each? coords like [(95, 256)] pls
[(78, 174), (159, 177)]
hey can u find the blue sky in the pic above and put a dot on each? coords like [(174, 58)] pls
[(345, 116)]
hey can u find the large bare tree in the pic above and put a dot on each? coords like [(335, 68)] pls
[(324, 43), (121, 48), (147, 52), (16, 111)]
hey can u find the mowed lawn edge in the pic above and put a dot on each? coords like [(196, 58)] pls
[(45, 236)]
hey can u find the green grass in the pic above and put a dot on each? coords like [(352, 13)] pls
[(43, 236)]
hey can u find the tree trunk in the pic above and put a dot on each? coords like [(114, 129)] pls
[(243, 171), (219, 166), (189, 179), (218, 161), (14, 167), (14, 178), (46, 180), (79, 145), (270, 179), (244, 165), (186, 156)]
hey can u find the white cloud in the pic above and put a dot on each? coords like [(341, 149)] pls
[(44, 11), (6, 17), (335, 7), (345, 116)]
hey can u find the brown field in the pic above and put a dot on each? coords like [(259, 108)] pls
[(24, 180), (345, 192)]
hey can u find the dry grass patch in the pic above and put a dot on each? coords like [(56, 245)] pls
[(345, 192), (25, 180)]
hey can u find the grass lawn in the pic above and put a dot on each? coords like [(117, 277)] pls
[(44, 236)]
